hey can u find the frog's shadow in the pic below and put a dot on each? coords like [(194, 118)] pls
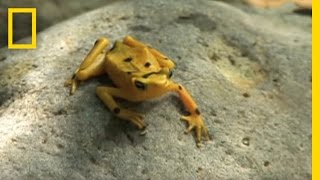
[(116, 129)]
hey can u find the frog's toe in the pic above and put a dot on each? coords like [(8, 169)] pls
[(189, 129), (73, 83), (201, 132), (134, 117), (206, 134), (138, 121)]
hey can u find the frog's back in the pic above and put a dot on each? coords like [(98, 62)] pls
[(124, 62)]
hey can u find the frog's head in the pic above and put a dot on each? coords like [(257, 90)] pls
[(153, 80)]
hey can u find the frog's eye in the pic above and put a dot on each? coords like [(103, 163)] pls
[(147, 64), (139, 85)]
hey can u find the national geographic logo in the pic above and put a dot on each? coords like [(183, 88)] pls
[(33, 12)]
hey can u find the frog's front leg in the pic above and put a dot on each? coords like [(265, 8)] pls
[(194, 118), (106, 94), (91, 66)]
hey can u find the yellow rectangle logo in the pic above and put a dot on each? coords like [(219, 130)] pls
[(33, 44)]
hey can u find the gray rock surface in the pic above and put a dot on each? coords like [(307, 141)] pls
[(248, 69), (49, 12)]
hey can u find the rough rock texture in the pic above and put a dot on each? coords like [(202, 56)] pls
[(248, 69)]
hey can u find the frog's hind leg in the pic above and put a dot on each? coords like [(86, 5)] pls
[(106, 94), (163, 60), (92, 65)]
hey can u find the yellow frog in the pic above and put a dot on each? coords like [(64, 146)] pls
[(139, 73)]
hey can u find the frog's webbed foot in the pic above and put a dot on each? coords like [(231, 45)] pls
[(132, 116), (106, 94), (196, 122)]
